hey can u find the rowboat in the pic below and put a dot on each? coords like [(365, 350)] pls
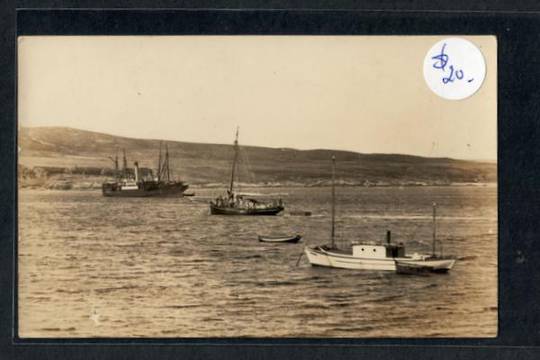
[(411, 269), (435, 264), (280, 239)]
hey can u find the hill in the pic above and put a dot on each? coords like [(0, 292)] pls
[(56, 150)]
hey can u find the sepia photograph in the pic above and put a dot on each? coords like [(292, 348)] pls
[(257, 187)]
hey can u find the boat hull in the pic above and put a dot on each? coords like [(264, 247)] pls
[(439, 265), (412, 270), (319, 256), (164, 190), (284, 239), (214, 210)]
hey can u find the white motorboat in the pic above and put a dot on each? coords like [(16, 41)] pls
[(386, 257), (362, 257)]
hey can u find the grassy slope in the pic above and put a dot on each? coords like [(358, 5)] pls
[(210, 163)]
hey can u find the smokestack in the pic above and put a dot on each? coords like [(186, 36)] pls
[(136, 171)]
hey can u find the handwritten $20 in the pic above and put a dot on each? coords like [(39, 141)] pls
[(442, 63)]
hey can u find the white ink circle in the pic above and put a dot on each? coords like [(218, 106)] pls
[(454, 68)]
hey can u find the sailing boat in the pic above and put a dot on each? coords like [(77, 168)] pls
[(237, 204), (132, 183), (366, 256)]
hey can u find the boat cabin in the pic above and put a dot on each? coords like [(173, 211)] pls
[(378, 251), (395, 250)]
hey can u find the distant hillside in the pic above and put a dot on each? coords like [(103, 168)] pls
[(67, 148)]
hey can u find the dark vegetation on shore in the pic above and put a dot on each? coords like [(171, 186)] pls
[(64, 158)]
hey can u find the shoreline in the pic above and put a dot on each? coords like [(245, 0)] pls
[(263, 186)]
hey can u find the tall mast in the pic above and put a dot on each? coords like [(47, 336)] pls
[(333, 199), (116, 163), (434, 227), (124, 169), (159, 164), (234, 161), (167, 162)]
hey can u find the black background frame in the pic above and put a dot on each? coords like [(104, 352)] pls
[(518, 42)]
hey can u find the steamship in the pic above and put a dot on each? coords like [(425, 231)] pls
[(135, 183)]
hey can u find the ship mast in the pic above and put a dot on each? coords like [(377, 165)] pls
[(434, 227), (116, 174), (332, 236), (159, 164), (167, 162), (124, 169), (234, 162), (115, 161)]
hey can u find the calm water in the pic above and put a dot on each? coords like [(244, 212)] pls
[(94, 266)]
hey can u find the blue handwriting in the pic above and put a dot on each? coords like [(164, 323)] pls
[(441, 63)]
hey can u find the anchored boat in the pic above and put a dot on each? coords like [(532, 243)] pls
[(133, 183), (280, 239), (364, 256), (238, 204), (420, 268)]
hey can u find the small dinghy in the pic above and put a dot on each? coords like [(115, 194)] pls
[(412, 269), (280, 239), (431, 264)]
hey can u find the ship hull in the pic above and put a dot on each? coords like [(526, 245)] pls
[(215, 210), (280, 239), (318, 256), (164, 190)]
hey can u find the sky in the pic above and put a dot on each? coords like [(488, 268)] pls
[(358, 93)]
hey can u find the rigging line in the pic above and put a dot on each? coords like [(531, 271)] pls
[(239, 176), (245, 159), (434, 146), (235, 159), (171, 173)]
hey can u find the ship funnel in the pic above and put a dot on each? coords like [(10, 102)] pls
[(136, 171)]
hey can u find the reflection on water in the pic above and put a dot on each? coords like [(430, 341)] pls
[(107, 267)]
